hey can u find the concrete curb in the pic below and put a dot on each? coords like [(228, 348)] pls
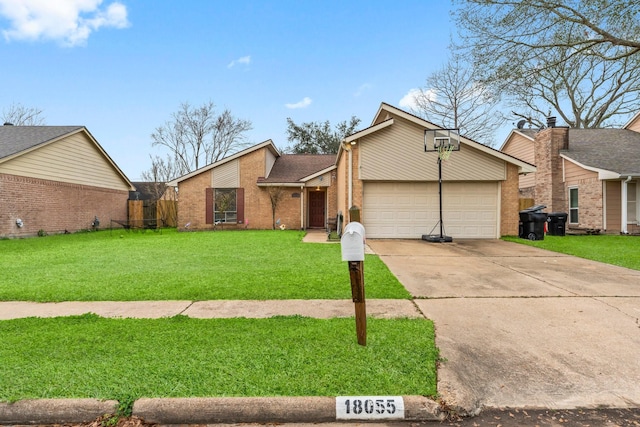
[(227, 410), (55, 411), (223, 410)]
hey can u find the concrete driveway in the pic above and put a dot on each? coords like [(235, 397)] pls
[(524, 327)]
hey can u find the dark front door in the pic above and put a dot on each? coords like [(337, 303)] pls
[(316, 209)]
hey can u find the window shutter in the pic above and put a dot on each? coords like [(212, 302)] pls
[(209, 205), (240, 205)]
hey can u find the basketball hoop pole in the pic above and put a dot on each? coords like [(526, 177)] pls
[(442, 145)]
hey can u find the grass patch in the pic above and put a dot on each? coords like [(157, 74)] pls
[(611, 249), (93, 357), (120, 266)]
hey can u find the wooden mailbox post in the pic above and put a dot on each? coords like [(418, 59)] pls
[(352, 243)]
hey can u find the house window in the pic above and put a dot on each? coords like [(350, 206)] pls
[(225, 207), (632, 203), (573, 205)]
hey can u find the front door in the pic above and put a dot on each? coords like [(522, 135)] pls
[(316, 209)]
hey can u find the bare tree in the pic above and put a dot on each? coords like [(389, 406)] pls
[(276, 194), (575, 57), (454, 98), (504, 28), (585, 91), (19, 115), (197, 136), (317, 137), (165, 197)]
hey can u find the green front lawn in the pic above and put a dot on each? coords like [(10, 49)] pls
[(121, 266), (611, 249), (125, 359)]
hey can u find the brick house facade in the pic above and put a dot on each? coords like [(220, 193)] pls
[(56, 179), (302, 187), (593, 175)]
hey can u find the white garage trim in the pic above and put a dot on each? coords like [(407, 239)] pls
[(410, 209)]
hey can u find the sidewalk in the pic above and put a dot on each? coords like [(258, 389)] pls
[(208, 410)]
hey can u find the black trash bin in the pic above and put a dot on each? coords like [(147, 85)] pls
[(532, 222), (557, 223)]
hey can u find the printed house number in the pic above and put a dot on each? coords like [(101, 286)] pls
[(369, 407)]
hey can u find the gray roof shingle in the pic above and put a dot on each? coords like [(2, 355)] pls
[(15, 139), (291, 168), (615, 150)]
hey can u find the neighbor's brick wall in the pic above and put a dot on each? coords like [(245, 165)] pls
[(589, 202), (550, 189), (54, 206), (509, 207)]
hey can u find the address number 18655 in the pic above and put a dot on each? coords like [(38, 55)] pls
[(369, 407)]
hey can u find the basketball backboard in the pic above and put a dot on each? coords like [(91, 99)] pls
[(442, 140)]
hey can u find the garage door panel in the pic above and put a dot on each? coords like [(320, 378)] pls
[(409, 210)]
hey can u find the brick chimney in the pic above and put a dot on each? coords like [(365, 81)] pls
[(549, 189)]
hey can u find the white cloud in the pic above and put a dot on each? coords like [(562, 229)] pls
[(363, 88), (242, 60), (306, 101), (70, 22), (409, 100)]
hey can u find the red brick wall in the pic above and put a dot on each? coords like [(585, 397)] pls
[(550, 189), (509, 207), (54, 206)]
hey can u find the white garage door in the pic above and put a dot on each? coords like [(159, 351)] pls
[(409, 210)]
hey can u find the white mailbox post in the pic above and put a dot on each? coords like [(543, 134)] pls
[(352, 243)]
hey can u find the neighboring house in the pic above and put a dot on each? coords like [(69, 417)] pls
[(55, 179), (385, 171), (593, 175), (237, 191)]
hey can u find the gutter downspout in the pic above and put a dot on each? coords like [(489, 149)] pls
[(350, 191), (623, 228), (302, 207)]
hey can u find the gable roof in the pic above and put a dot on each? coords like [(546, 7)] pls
[(529, 134), (148, 190), (382, 119), (298, 168), (18, 140), (632, 120), (616, 151), (268, 144)]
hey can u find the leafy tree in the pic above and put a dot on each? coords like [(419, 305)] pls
[(19, 115), (317, 137), (197, 136), (577, 57), (454, 98)]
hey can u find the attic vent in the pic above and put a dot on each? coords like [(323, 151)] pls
[(8, 124)]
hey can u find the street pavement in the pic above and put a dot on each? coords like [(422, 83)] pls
[(517, 327)]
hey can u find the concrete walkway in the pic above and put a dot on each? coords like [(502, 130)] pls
[(523, 327)]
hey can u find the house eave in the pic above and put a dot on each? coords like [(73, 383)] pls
[(603, 174), (268, 143)]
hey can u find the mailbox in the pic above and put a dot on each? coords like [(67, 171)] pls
[(352, 242)]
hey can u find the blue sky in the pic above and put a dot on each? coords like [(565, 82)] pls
[(121, 68)]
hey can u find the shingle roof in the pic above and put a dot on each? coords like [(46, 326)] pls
[(615, 150), (15, 139), (148, 190), (291, 168)]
